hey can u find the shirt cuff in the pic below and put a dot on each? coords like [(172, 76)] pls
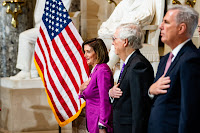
[(111, 99), (99, 123), (150, 95)]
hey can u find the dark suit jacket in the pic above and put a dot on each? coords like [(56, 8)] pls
[(178, 111), (131, 111)]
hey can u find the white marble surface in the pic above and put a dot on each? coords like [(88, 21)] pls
[(24, 108), (22, 84)]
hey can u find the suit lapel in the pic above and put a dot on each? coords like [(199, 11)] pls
[(125, 71), (161, 68), (180, 53), (128, 64), (176, 60), (95, 69)]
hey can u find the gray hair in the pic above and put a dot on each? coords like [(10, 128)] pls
[(133, 33), (186, 15)]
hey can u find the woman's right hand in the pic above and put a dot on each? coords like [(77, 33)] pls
[(84, 85)]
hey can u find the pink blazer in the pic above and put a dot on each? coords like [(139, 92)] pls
[(98, 106)]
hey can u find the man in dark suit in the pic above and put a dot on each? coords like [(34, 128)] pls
[(176, 107), (131, 106)]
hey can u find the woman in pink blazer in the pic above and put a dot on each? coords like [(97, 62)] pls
[(95, 89)]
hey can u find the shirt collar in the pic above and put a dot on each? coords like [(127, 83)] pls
[(127, 58), (178, 48)]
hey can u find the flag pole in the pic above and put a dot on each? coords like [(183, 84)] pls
[(59, 129)]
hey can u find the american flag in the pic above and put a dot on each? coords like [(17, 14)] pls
[(60, 62)]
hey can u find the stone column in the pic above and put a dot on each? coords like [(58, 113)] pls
[(9, 36)]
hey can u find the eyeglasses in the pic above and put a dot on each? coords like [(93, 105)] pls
[(114, 38)]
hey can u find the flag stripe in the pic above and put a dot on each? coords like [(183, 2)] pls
[(64, 94), (76, 54), (62, 81), (60, 62), (63, 104), (55, 108), (66, 67), (45, 83), (50, 82), (75, 33), (39, 62), (62, 76), (68, 60), (49, 94), (76, 44), (72, 56)]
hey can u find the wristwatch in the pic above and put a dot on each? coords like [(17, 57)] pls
[(101, 127)]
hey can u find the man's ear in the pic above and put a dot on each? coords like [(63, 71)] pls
[(182, 28), (125, 42)]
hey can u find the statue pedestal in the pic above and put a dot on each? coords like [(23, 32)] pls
[(24, 108)]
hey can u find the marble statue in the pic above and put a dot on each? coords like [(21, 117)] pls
[(139, 12), (127, 11), (27, 40)]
